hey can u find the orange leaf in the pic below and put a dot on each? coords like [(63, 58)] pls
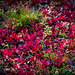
[(19, 34), (64, 58), (71, 42)]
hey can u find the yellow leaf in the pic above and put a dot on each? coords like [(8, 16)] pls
[(34, 58)]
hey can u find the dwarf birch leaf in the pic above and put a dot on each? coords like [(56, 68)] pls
[(57, 28), (46, 55), (42, 42)]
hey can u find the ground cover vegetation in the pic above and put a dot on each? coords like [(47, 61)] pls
[(37, 37)]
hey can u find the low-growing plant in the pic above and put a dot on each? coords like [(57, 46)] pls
[(3, 17), (23, 15), (62, 34), (47, 31), (31, 45), (42, 42), (53, 70)]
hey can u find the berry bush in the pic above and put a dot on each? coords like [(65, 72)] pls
[(37, 42)]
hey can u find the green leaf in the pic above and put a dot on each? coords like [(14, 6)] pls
[(60, 33), (73, 68), (44, 45), (0, 10), (70, 71), (3, 44), (13, 26), (45, 54), (57, 28), (7, 45), (48, 67), (63, 64), (56, 32), (63, 34), (53, 54), (51, 46), (13, 71), (6, 25), (45, 22), (66, 25), (43, 51), (42, 42), (42, 20), (12, 9), (17, 24), (13, 23)]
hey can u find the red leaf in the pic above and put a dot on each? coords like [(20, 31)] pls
[(26, 66)]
